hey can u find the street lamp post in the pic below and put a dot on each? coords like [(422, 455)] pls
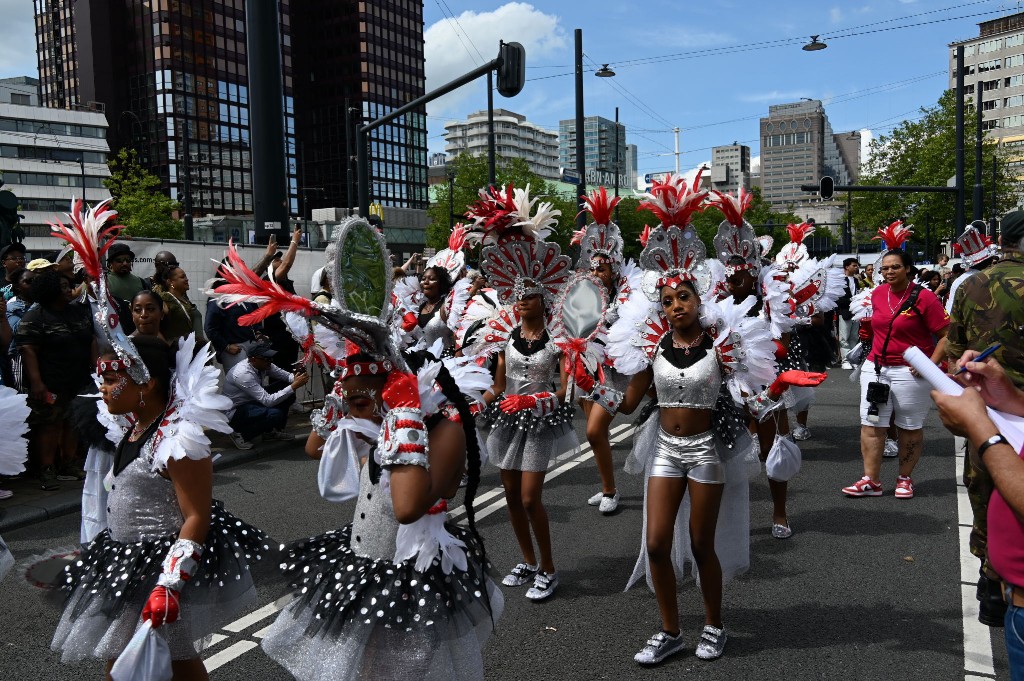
[(581, 187)]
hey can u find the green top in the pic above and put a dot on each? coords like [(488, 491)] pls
[(989, 308), (183, 318), (124, 287)]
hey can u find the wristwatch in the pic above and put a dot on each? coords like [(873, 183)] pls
[(994, 440)]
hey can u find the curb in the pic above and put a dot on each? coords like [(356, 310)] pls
[(15, 516)]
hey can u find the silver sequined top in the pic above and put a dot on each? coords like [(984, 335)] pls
[(695, 387), (142, 504), (437, 328), (528, 374), (374, 527)]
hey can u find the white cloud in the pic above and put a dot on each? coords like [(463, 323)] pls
[(755, 164), (18, 47), (447, 58), (773, 96), (835, 15)]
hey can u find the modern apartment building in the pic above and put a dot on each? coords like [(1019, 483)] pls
[(514, 137), (46, 155), (798, 147), (599, 138), (730, 168), (995, 60)]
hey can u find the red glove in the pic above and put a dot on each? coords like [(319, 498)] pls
[(162, 606), (780, 350), (583, 378), (793, 377), (512, 404), (476, 408), (409, 321), (864, 334), (401, 390)]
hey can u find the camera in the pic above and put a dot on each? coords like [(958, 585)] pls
[(877, 394)]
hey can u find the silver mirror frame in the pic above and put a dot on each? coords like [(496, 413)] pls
[(558, 324), (342, 234)]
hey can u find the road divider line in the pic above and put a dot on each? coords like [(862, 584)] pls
[(229, 654), (243, 623)]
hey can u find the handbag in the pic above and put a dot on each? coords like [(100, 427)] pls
[(784, 459), (145, 658)]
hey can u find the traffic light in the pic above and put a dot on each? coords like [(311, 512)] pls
[(511, 69), (827, 187)]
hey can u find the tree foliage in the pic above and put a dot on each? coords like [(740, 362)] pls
[(923, 152), (143, 209), (470, 174)]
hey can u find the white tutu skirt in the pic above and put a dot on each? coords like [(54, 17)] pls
[(732, 535), (354, 617), (526, 442), (110, 582), (94, 496)]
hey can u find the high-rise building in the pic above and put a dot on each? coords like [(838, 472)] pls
[(357, 62), (49, 155), (172, 78), (514, 137), (730, 168), (798, 147), (599, 137)]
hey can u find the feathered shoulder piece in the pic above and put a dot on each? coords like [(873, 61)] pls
[(779, 308), (817, 286), (492, 214), (492, 335), (196, 405), (861, 306), (795, 251), (452, 258), (894, 235), (90, 236), (634, 337), (674, 202), (743, 344)]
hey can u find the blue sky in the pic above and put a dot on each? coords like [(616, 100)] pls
[(872, 80)]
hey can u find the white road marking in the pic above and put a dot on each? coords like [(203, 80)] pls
[(977, 637), (575, 458)]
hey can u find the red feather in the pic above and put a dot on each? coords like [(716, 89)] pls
[(894, 235), (600, 206), (243, 285), (732, 207), (672, 202), (87, 235), (797, 233), (645, 235)]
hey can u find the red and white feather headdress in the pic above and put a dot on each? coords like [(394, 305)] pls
[(795, 252), (735, 235), (452, 258), (895, 235), (600, 239)]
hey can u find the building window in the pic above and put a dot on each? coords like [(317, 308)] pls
[(1014, 61)]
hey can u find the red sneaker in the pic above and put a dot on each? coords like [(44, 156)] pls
[(865, 487), (904, 487)]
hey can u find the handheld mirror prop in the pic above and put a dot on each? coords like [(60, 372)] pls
[(580, 311)]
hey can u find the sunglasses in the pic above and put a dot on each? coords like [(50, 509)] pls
[(890, 268)]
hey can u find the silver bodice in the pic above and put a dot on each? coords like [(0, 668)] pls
[(437, 328), (142, 504), (374, 527), (695, 387), (528, 374)]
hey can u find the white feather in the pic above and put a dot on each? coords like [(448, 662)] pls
[(626, 348), (458, 299), (14, 414), (748, 351), (777, 295), (861, 306)]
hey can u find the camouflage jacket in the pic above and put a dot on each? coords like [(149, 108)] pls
[(989, 308)]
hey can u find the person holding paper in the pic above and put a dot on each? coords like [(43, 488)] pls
[(966, 415), (904, 315)]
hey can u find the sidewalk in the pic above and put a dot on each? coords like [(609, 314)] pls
[(31, 505)]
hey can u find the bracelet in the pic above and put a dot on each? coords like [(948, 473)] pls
[(994, 440)]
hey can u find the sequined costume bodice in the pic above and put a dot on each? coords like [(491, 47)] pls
[(695, 387), (437, 328), (533, 373), (142, 504), (374, 527)]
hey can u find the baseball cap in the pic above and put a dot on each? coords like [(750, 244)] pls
[(262, 350), (12, 247)]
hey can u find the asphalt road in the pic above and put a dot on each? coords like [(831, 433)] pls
[(865, 589)]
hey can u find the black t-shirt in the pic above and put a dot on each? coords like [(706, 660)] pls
[(63, 345)]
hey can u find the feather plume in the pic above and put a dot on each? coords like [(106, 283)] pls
[(634, 335), (797, 233), (491, 214), (457, 301), (861, 305), (645, 236), (457, 239), (539, 225), (14, 413), (733, 207), (600, 206), (673, 202), (577, 237), (87, 235), (245, 286), (744, 344), (894, 235)]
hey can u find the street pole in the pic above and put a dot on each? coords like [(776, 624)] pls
[(958, 213), (676, 131), (618, 166), (491, 172), (848, 234), (927, 236), (995, 178), (81, 162), (581, 188), (451, 202), (978, 198), (349, 191)]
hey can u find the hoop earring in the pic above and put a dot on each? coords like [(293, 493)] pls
[(142, 400)]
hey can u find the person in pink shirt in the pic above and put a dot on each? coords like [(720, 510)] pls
[(905, 315), (966, 415)]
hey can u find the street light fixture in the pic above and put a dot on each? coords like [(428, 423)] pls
[(814, 45), (604, 72)]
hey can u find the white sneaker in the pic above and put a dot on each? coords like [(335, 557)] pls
[(801, 433), (277, 435), (520, 574), (712, 643), (596, 499), (240, 442), (846, 365), (544, 585), (892, 449), (658, 647), (609, 504)]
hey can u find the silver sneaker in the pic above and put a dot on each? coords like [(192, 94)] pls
[(544, 585), (658, 647), (801, 433), (596, 499), (892, 449), (712, 643), (609, 504), (521, 574)]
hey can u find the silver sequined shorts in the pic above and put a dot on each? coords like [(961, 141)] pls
[(688, 456)]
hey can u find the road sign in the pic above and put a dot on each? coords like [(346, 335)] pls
[(569, 178)]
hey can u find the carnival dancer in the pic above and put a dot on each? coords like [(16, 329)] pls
[(601, 252), (529, 419), (689, 349), (171, 555), (401, 592)]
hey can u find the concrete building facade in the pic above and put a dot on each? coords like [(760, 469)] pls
[(599, 137), (514, 137), (995, 59), (730, 168)]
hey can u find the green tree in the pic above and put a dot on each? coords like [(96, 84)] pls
[(143, 209), (923, 152)]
